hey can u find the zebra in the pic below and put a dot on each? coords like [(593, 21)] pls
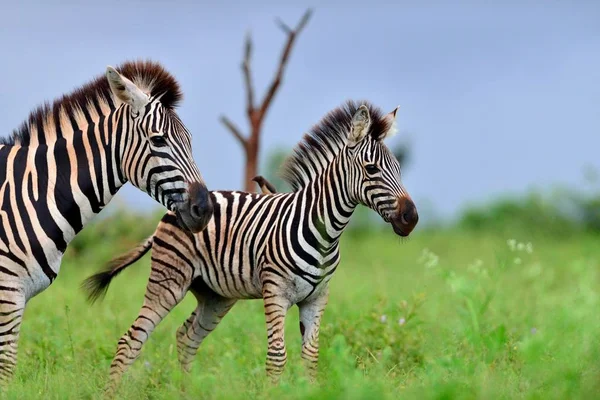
[(281, 247), (69, 158)]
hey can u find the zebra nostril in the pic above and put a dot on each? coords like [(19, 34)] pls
[(196, 211), (404, 218), (408, 213), (411, 216)]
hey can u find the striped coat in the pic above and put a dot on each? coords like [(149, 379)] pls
[(66, 162), (281, 247)]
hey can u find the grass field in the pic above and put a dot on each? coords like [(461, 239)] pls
[(441, 315)]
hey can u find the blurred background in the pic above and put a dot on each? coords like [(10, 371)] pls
[(495, 294), (497, 100)]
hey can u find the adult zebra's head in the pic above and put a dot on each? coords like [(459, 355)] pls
[(155, 147), (375, 171)]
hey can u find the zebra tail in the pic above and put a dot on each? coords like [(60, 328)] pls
[(96, 285)]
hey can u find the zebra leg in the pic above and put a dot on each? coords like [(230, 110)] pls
[(162, 295), (204, 319), (276, 307), (12, 306), (311, 312)]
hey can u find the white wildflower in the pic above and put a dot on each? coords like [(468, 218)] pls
[(401, 321), (433, 261), (476, 266), (529, 248), (424, 254), (512, 244), (383, 319), (428, 258)]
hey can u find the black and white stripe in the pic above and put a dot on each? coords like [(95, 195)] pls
[(281, 247), (67, 161)]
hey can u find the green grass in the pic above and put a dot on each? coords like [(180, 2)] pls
[(479, 321)]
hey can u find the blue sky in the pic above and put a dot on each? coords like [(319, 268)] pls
[(494, 98)]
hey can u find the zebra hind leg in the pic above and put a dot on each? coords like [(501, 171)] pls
[(209, 312), (162, 295), (12, 306), (311, 312)]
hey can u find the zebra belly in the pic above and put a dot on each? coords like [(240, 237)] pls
[(234, 285), (29, 278), (237, 280), (300, 289), (38, 283), (295, 290)]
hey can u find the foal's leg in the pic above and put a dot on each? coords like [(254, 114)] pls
[(311, 312), (163, 293), (276, 305), (204, 319)]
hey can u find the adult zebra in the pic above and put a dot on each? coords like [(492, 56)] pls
[(281, 247), (69, 159)]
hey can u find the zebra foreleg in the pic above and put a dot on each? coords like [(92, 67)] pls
[(311, 312), (12, 306), (276, 307), (204, 319), (162, 295)]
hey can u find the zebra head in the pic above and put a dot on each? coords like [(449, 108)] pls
[(156, 150), (375, 171)]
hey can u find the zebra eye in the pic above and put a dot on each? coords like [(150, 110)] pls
[(158, 141), (371, 169)]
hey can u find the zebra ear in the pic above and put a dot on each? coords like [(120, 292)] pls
[(393, 127), (125, 90), (361, 121)]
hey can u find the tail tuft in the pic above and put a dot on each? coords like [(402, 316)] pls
[(96, 285)]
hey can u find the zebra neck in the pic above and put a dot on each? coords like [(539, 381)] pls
[(83, 171), (332, 206)]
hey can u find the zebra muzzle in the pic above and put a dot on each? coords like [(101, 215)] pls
[(405, 218), (195, 213)]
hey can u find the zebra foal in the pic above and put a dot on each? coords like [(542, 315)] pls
[(66, 162), (281, 247)]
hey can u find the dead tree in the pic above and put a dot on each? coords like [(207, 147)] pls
[(256, 113)]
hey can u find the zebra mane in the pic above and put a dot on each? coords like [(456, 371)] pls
[(149, 76), (324, 141)]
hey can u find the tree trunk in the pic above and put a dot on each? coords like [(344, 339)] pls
[(251, 163), (255, 113)]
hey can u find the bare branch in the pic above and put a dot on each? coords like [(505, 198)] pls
[(248, 75), (283, 26), (303, 21), (234, 130), (292, 34), (256, 113)]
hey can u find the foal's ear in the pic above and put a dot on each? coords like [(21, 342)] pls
[(391, 122), (125, 90), (361, 121)]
